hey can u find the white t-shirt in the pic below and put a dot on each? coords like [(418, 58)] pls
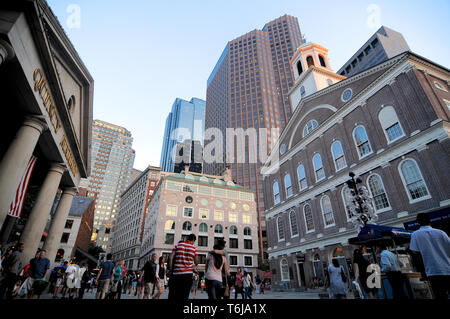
[(434, 246)]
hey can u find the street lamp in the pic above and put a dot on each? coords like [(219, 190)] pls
[(360, 206)]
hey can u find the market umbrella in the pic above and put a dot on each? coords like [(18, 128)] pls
[(372, 235)]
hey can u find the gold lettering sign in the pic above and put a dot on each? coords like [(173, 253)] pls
[(41, 85)]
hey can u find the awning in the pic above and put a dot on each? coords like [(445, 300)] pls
[(376, 234), (86, 254), (437, 216)]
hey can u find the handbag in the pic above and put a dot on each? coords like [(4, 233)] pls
[(114, 286)]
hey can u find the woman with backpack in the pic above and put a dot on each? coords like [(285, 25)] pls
[(214, 264), (337, 280)]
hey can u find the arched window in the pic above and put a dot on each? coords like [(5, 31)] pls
[(233, 230), (247, 231), (288, 185), (218, 229), (322, 61), (318, 167), (276, 193), (338, 156), (327, 211), (378, 192), (309, 221), (299, 67), (169, 225), (413, 180), (310, 61), (301, 177), (187, 226), (362, 141), (309, 127), (293, 222), (390, 124), (284, 266), (203, 228), (347, 198), (280, 227)]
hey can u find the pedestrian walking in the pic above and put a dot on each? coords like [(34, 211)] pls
[(215, 262), (117, 277), (360, 265), (38, 270), (258, 283), (134, 281), (203, 284), (248, 284), (59, 282), (182, 260), (195, 280), (239, 284), (337, 280), (85, 280), (122, 280), (104, 277), (391, 266), (434, 247), (149, 274), (161, 270), (12, 264)]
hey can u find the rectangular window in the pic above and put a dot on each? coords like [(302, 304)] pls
[(188, 212), (171, 210), (393, 132), (247, 219), (248, 244), (233, 260), (169, 238), (220, 192), (233, 218), (248, 261), (233, 243), (69, 224), (201, 259), (246, 196), (190, 188), (203, 213), (65, 238), (204, 190), (203, 241), (173, 186), (218, 215), (233, 194)]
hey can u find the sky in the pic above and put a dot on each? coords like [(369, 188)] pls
[(143, 54)]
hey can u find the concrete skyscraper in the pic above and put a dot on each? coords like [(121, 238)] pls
[(112, 163), (248, 88), (183, 136)]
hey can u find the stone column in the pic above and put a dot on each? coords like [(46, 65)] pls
[(6, 51), (15, 161), (32, 233), (59, 220)]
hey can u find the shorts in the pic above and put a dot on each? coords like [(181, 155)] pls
[(161, 283), (148, 288), (134, 283), (103, 285)]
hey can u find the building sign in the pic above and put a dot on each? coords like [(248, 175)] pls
[(40, 84)]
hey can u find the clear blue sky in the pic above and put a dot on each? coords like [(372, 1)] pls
[(143, 54)]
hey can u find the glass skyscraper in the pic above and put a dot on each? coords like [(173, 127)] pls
[(248, 88), (183, 136)]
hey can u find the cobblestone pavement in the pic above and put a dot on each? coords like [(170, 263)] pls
[(310, 294)]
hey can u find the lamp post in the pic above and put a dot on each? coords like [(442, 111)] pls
[(360, 206)]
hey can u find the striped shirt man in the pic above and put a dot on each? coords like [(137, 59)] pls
[(184, 253)]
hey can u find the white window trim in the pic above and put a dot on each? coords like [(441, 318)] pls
[(229, 259), (334, 159), (315, 170), (223, 215), (285, 188), (306, 223), (244, 222), (193, 212), (184, 230), (273, 193), (281, 270), (299, 180), (325, 226), (343, 201), (199, 214), (278, 231), (176, 210), (412, 201), (243, 257), (229, 232), (217, 234), (290, 224), (371, 194), (233, 221), (313, 120), (203, 231), (249, 236), (351, 94), (384, 129), (356, 145)]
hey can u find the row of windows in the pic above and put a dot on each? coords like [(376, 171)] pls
[(389, 122), (410, 174), (204, 214), (203, 228), (202, 241)]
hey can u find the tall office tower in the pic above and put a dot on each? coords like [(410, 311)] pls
[(248, 88), (112, 163), (183, 136), (382, 46)]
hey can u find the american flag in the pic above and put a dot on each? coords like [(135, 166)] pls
[(15, 209)]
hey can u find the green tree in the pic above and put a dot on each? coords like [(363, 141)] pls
[(95, 250)]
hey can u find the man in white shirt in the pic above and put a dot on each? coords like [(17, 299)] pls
[(434, 247), (391, 266)]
